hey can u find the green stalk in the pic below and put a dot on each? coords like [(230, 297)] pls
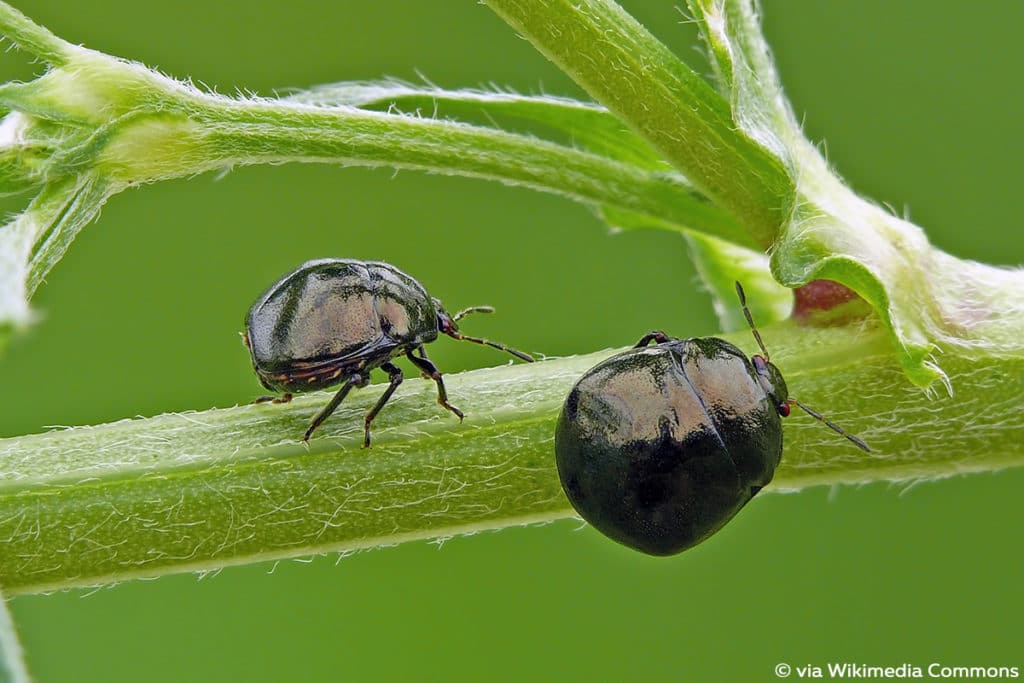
[(12, 661), (625, 68), (233, 132), (199, 491), (31, 37)]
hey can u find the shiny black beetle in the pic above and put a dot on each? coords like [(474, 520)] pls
[(658, 447), (332, 321)]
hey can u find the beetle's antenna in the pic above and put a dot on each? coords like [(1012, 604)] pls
[(477, 340), (831, 425), (472, 309), (750, 320)]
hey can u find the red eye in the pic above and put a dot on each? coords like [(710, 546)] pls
[(784, 409)]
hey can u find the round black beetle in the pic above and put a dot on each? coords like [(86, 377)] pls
[(658, 447), (332, 321)]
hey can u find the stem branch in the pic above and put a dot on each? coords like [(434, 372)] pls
[(260, 131), (625, 68)]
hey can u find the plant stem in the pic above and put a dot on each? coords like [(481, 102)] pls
[(30, 36), (12, 661), (198, 491), (590, 126), (625, 68), (250, 132)]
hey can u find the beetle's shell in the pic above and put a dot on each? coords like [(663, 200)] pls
[(659, 447), (330, 316)]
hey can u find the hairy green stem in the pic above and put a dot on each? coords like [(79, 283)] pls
[(625, 68), (248, 132), (30, 36), (588, 125), (198, 491)]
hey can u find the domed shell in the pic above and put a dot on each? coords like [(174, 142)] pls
[(659, 447), (331, 311)]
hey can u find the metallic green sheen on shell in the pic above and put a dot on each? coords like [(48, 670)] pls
[(659, 447)]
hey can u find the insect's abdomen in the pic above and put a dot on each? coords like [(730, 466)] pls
[(640, 450), (324, 312)]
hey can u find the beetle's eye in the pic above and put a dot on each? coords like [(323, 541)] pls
[(783, 409)]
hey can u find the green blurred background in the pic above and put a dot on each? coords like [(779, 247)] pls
[(920, 105)]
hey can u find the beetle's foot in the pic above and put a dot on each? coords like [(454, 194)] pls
[(366, 437), (284, 398), (448, 406)]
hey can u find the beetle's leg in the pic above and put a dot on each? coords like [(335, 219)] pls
[(395, 373), (332, 405), (423, 356), (431, 371), (283, 398), (656, 336)]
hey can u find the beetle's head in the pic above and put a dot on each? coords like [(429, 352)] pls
[(770, 379), (445, 322)]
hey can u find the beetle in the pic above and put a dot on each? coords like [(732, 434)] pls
[(331, 321), (660, 446)]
